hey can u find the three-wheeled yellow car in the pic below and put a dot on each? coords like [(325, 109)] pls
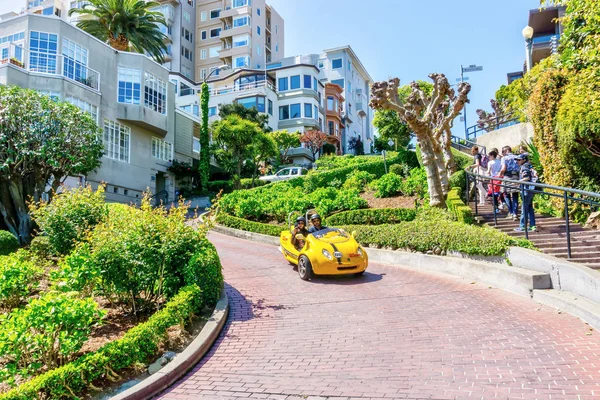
[(330, 251)]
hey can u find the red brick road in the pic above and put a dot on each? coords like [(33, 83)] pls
[(391, 334)]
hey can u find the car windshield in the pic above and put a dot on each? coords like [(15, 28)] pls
[(283, 172), (323, 232)]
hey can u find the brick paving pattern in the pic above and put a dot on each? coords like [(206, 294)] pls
[(391, 334)]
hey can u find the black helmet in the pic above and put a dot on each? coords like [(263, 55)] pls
[(315, 216), (301, 219)]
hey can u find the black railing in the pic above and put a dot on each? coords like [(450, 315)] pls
[(497, 123), (461, 144), (567, 194), (159, 198)]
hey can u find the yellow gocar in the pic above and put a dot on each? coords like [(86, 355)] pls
[(330, 251)]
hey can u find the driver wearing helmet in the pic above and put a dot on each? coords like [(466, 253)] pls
[(315, 219), (300, 228)]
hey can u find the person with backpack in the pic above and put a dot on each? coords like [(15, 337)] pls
[(527, 174), (509, 169), (479, 168)]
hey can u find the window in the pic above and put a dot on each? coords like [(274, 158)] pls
[(270, 109), (116, 141), (212, 111), (338, 82), (330, 103), (241, 21), (35, 3), (239, 3), (214, 33), (240, 41), (257, 102), (53, 95), (284, 113), (258, 30), (258, 49), (349, 66), (203, 15), (155, 94), (196, 145), (203, 73), (215, 13), (48, 11), (295, 82), (316, 110), (336, 64), (129, 85), (308, 110), (192, 109), (187, 53), (330, 127), (276, 47), (321, 64), (216, 70), (75, 61), (203, 35), (162, 150), (258, 11), (187, 35), (295, 111), (214, 52), (275, 28), (84, 106), (190, 3), (307, 81), (316, 86), (283, 84), (203, 54), (186, 16), (12, 37), (186, 71), (43, 48), (241, 62)]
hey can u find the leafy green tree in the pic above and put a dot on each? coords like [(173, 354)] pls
[(41, 142), (285, 141), (125, 25), (250, 114), (233, 143), (264, 148)]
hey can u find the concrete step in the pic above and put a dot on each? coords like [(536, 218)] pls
[(574, 249), (581, 260)]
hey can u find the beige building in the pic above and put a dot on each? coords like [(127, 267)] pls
[(236, 33), (128, 94)]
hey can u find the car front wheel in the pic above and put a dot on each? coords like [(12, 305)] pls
[(304, 268)]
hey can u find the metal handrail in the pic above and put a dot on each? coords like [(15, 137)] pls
[(157, 199), (509, 120), (567, 194), (457, 141)]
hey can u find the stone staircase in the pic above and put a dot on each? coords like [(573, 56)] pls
[(551, 237)]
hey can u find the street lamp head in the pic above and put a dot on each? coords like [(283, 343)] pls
[(527, 33)]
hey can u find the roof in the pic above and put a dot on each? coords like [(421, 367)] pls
[(354, 56)]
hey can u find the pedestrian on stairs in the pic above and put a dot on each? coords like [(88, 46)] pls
[(510, 170), (478, 168), (526, 175)]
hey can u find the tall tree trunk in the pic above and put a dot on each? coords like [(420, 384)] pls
[(7, 210), (24, 223), (436, 193), (447, 150), (443, 172), (120, 43)]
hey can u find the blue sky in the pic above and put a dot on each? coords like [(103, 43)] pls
[(410, 38)]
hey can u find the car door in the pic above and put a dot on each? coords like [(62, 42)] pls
[(283, 174), (295, 173)]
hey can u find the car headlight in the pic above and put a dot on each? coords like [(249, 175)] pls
[(359, 251), (327, 254)]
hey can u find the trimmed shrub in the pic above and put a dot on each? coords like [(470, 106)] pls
[(398, 169), (40, 246), (248, 184), (77, 272), (217, 186), (360, 179), (415, 183), (19, 277), (138, 345), (249, 226), (387, 186), (47, 332), (459, 180), (70, 216), (372, 216), (460, 211), (426, 235), (8, 243), (204, 269)]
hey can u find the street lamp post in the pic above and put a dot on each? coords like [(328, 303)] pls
[(204, 138), (528, 36), (470, 68)]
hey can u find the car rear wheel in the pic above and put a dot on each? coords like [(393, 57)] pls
[(304, 268)]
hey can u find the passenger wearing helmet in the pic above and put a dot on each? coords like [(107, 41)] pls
[(299, 228), (315, 219)]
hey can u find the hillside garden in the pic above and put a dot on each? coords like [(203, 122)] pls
[(100, 292)]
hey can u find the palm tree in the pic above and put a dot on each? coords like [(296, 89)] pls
[(126, 25)]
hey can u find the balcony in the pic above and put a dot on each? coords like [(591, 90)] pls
[(545, 41), (234, 12), (53, 65), (230, 51), (231, 31), (243, 89)]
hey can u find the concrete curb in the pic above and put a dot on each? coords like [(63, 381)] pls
[(184, 361), (570, 303), (516, 280)]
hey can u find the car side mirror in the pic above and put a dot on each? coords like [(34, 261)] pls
[(300, 236)]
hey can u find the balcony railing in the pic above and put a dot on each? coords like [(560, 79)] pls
[(545, 39), (241, 88), (51, 64)]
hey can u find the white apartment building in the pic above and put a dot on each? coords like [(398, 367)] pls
[(128, 94)]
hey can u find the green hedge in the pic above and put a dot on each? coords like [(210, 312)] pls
[(8, 243), (217, 186), (137, 346), (459, 180), (425, 235), (248, 184), (249, 226), (372, 216), (458, 208)]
